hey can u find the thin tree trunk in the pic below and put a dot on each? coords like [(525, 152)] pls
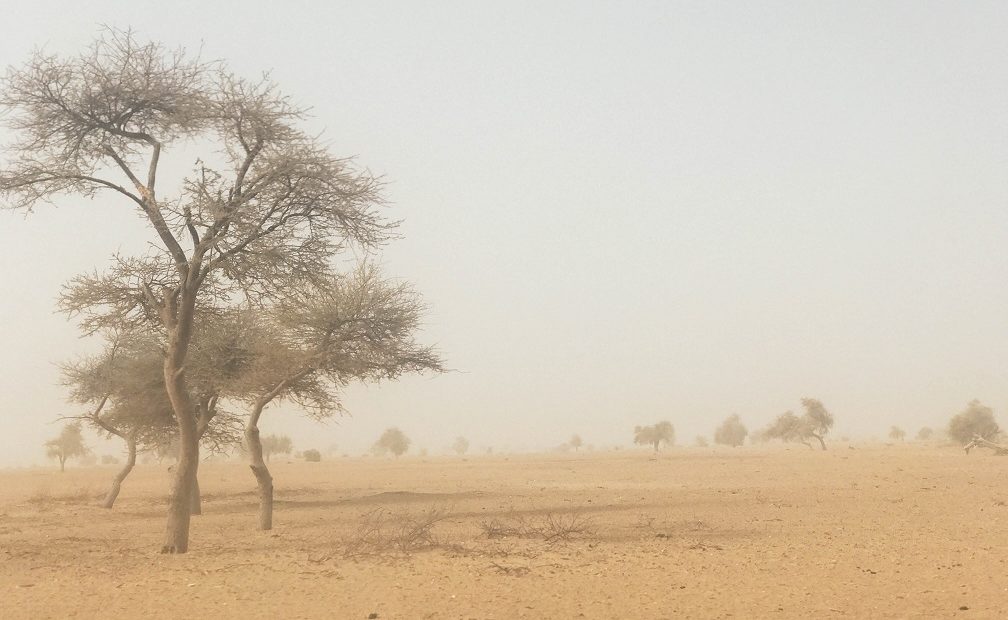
[(125, 471), (259, 469), (62, 464), (821, 442)]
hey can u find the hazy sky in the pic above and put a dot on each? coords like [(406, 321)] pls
[(617, 212)]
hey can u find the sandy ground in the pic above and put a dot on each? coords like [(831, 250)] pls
[(871, 532)]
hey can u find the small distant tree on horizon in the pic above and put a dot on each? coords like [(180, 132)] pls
[(813, 424), (701, 441), (976, 419), (274, 444), (925, 433), (392, 440), (897, 434), (460, 446), (69, 445), (655, 435), (312, 455), (731, 432), (575, 442)]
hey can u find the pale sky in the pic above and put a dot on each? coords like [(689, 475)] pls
[(617, 212)]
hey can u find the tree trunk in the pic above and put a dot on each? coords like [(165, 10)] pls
[(195, 499), (62, 461), (821, 442), (259, 469), (177, 528), (125, 471)]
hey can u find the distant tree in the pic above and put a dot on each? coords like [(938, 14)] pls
[(897, 434), (817, 420), (976, 419), (312, 455), (273, 444), (925, 433), (701, 441), (575, 442), (731, 432), (69, 445), (392, 440), (461, 445), (813, 424), (655, 435), (108, 459)]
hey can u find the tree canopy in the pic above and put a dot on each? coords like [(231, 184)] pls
[(655, 435), (976, 419)]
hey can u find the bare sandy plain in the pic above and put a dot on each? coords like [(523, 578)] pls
[(872, 532)]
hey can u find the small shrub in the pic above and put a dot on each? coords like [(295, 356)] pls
[(312, 455), (108, 459)]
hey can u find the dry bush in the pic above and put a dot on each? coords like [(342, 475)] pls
[(381, 531), (551, 527)]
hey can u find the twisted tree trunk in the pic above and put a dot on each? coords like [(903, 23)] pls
[(259, 469), (821, 442), (125, 471)]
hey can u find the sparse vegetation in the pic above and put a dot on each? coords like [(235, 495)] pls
[(575, 442), (312, 455), (925, 433), (460, 446), (897, 434), (392, 441), (69, 445), (655, 435), (731, 432), (274, 444), (701, 441), (976, 420)]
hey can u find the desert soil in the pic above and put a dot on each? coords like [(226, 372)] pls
[(864, 532)]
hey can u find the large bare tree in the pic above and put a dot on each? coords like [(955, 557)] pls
[(264, 209)]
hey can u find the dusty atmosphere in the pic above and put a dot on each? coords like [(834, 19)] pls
[(681, 309), (874, 531)]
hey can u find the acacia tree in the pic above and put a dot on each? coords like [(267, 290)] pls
[(655, 435), (461, 445), (264, 209), (925, 433), (897, 434), (976, 420), (392, 440), (69, 445), (813, 424), (731, 432), (575, 442), (311, 344)]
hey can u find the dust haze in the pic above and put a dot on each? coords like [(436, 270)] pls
[(522, 299)]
